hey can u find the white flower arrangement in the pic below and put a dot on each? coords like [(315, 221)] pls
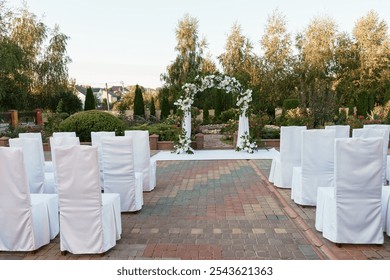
[(184, 144), (229, 84), (247, 144)]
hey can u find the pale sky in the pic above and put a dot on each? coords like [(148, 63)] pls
[(133, 40)]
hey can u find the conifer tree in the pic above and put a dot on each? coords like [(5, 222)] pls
[(152, 108), (139, 106), (90, 103)]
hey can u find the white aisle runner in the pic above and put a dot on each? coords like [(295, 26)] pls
[(216, 155)]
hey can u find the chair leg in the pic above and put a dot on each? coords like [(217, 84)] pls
[(102, 254), (338, 245), (63, 253)]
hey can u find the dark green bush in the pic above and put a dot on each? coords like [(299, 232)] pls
[(231, 114), (290, 104), (84, 122), (166, 132)]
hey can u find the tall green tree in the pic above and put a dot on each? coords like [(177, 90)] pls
[(237, 60), (139, 105), (89, 100), (165, 108), (189, 59), (275, 74), (152, 108), (316, 68), (373, 45)]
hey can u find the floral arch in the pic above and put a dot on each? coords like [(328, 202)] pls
[(230, 85)]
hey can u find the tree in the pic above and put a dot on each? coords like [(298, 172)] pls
[(276, 77), (139, 105), (152, 108), (89, 100), (316, 68), (189, 60), (165, 111), (373, 45), (236, 61)]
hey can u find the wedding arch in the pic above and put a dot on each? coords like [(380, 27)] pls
[(230, 85)]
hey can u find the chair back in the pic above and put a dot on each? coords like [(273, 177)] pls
[(64, 134), (33, 163), (15, 211), (141, 155), (377, 126), (118, 169), (79, 198), (290, 152), (317, 160), (371, 132), (38, 136), (342, 131), (358, 187)]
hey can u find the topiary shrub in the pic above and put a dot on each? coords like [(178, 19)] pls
[(84, 122)]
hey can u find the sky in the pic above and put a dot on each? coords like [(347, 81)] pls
[(133, 41)]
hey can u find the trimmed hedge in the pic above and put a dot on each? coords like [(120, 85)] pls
[(84, 122)]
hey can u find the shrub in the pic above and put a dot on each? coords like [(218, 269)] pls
[(166, 132), (227, 115), (290, 104), (256, 124), (84, 122), (89, 100)]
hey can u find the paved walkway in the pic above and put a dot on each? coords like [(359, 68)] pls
[(218, 210)]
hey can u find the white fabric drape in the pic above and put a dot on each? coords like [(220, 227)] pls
[(350, 212), (64, 134), (290, 156), (119, 173), (317, 166), (375, 132), (48, 165), (96, 140), (342, 131), (142, 161), (243, 127), (187, 124), (29, 221), (89, 220)]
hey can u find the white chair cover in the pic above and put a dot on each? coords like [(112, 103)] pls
[(386, 209), (48, 165), (374, 132), (350, 212), (96, 141), (290, 155), (378, 126), (316, 168), (90, 221), (142, 161), (243, 127), (28, 221), (64, 134), (119, 174), (32, 162), (342, 131)]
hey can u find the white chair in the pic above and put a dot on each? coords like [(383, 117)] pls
[(290, 156), (48, 165), (96, 141), (90, 222), (142, 160), (378, 126), (342, 131), (28, 221), (118, 172), (38, 180), (350, 212), (316, 168), (374, 132), (64, 134)]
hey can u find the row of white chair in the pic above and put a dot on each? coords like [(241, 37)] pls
[(75, 171), (307, 163)]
